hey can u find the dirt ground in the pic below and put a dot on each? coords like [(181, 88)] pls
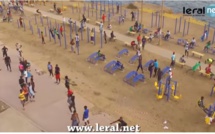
[(138, 105)]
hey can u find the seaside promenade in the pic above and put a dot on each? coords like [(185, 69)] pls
[(49, 112), (149, 47)]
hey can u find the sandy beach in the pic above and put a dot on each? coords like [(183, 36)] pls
[(138, 105)]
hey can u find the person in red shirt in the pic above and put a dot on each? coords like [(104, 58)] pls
[(133, 44), (208, 69), (61, 30), (103, 18), (139, 39)]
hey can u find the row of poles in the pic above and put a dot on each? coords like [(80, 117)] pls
[(72, 28)]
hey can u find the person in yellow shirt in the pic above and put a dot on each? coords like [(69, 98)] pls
[(22, 98), (92, 35)]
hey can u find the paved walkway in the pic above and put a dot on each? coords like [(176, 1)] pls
[(149, 47), (50, 110)]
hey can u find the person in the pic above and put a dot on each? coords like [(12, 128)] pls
[(21, 68), (150, 68), (135, 26), (201, 105), (133, 44), (140, 63), (92, 35), (7, 61), (69, 91), (209, 61), (157, 33), (26, 75), (18, 48), (84, 19), (186, 49), (54, 6), (122, 123), (38, 11), (67, 82), (193, 43), (61, 30), (122, 19), (20, 21), (103, 18), (57, 74), (207, 47), (43, 40), (4, 51), (77, 42), (131, 29), (208, 71), (31, 92), (86, 116), (204, 36), (120, 65), (75, 119), (160, 74), (182, 60), (101, 55), (59, 11), (167, 35), (143, 41), (81, 27), (32, 84), (195, 67), (172, 64), (138, 52), (70, 21), (105, 37), (138, 39), (4, 19), (71, 102), (25, 91), (109, 26), (56, 32), (72, 43), (132, 16), (139, 28), (156, 66), (50, 69), (22, 98), (150, 37), (21, 81), (112, 36)]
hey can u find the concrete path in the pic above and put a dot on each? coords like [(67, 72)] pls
[(50, 110), (149, 47)]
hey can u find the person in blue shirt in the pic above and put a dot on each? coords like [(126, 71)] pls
[(119, 64), (172, 64), (86, 116), (155, 67)]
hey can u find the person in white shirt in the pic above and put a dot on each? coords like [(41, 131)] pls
[(186, 49), (193, 42), (109, 26), (77, 42)]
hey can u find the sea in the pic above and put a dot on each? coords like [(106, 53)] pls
[(176, 6)]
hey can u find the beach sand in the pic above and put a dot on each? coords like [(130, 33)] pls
[(138, 105)]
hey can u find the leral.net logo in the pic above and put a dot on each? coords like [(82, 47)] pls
[(200, 11), (210, 10)]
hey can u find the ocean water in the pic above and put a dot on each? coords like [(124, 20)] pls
[(176, 6)]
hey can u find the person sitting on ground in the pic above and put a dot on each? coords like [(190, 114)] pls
[(38, 11), (135, 25), (59, 10), (133, 44), (101, 55), (157, 33), (112, 36), (167, 35), (70, 21), (182, 60), (109, 26), (122, 123), (131, 29), (139, 28), (193, 42), (120, 65), (150, 37), (209, 61), (207, 47)]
